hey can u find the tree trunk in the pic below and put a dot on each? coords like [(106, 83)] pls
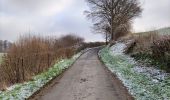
[(106, 39)]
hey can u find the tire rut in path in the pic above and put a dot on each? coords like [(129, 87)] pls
[(87, 79)]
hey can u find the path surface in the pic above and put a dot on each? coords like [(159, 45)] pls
[(87, 79)]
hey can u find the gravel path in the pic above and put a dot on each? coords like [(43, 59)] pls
[(87, 79)]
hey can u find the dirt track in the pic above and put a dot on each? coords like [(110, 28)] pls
[(87, 79)]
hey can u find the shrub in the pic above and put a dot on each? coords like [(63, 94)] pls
[(89, 45), (151, 46), (161, 51)]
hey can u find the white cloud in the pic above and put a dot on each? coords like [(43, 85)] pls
[(35, 7), (19, 16), (155, 15), (45, 17), (55, 8)]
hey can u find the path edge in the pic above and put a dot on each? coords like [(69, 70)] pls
[(115, 76), (58, 77)]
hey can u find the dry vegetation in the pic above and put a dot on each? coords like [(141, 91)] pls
[(90, 45), (112, 17), (31, 55), (153, 48)]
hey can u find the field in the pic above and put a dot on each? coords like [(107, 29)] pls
[(162, 31)]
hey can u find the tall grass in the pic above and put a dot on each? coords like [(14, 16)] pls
[(153, 48), (161, 51), (31, 55)]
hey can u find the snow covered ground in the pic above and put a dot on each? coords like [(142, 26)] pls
[(25, 90), (143, 82), (156, 74), (164, 31)]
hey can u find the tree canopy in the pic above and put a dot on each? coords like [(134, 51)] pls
[(112, 15)]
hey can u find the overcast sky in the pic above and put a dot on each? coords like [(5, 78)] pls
[(56, 17)]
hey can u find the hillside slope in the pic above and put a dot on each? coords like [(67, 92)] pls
[(162, 31)]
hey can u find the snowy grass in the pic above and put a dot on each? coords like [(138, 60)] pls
[(25, 90), (164, 31), (140, 85)]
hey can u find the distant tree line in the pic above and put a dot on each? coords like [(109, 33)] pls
[(4, 45)]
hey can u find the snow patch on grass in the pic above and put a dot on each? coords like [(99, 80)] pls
[(118, 48), (140, 83), (25, 90), (155, 74)]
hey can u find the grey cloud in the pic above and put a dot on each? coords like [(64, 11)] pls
[(48, 17), (155, 15), (28, 7), (56, 17)]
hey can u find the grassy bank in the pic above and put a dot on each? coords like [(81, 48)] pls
[(141, 86), (151, 48), (25, 90)]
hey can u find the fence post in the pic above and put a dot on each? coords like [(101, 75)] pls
[(48, 62), (23, 70), (17, 70)]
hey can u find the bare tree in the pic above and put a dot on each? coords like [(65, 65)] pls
[(114, 13), (104, 29), (122, 30)]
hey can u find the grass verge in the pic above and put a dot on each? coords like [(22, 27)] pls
[(139, 85)]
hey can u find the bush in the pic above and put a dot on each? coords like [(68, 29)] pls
[(161, 51), (142, 43), (151, 46), (89, 45)]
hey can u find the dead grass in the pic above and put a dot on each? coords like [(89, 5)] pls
[(31, 55), (151, 46)]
